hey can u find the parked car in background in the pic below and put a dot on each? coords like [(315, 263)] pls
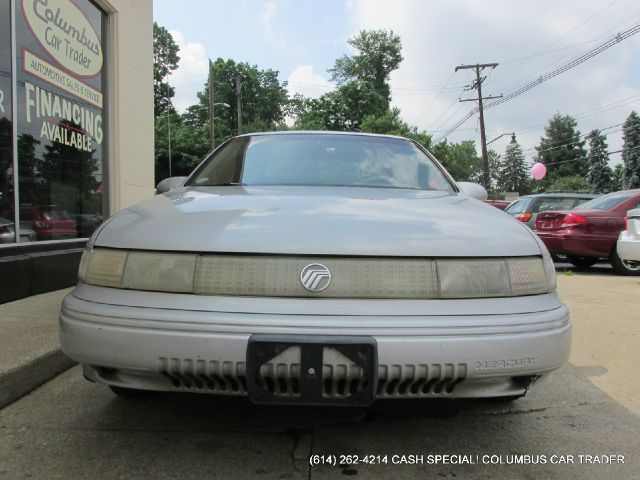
[(86, 223), (49, 221), (500, 204), (527, 207), (590, 231), (629, 241), (317, 268), (7, 231)]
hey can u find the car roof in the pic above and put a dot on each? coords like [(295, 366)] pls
[(323, 132)]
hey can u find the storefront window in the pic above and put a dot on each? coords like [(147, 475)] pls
[(7, 228), (60, 116)]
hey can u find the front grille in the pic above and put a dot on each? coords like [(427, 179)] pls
[(205, 375), (279, 276), (420, 380), (340, 379)]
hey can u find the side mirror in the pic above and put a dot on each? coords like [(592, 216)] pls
[(169, 184), (474, 190)]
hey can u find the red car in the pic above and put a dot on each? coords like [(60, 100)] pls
[(501, 204), (49, 222), (590, 231)]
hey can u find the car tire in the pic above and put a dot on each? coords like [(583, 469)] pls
[(127, 392), (581, 262), (622, 267)]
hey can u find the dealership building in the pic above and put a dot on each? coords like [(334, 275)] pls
[(76, 130)]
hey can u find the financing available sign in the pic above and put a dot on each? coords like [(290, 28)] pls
[(66, 34)]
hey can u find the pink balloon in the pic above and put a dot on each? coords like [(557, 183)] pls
[(538, 171)]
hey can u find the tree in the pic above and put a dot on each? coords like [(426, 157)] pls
[(342, 109), (569, 184), (561, 150), (617, 178), (495, 164), (460, 159), (379, 54), (265, 99), (631, 151), (165, 61), (599, 175), (513, 171), (390, 123)]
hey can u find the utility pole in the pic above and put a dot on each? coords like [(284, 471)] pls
[(483, 140), (212, 127), (239, 100)]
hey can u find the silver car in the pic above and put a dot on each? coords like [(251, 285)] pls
[(317, 268), (8, 231)]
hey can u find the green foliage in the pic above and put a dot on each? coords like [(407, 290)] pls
[(570, 184), (165, 61), (599, 175), (379, 54), (390, 123), (617, 178), (514, 176), (631, 151), (342, 109), (188, 142), (561, 150), (460, 159), (265, 99), (495, 162)]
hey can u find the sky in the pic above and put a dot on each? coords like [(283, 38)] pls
[(527, 38)]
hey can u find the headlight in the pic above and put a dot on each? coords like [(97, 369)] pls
[(105, 267), (164, 272), (550, 271), (278, 276)]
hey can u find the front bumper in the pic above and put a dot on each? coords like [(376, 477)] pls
[(156, 342)]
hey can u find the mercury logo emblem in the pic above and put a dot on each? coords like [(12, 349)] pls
[(315, 277)]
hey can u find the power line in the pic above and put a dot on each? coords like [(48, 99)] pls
[(543, 49), (590, 156), (543, 78), (573, 63), (560, 145), (434, 98)]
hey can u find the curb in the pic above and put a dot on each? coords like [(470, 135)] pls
[(19, 381)]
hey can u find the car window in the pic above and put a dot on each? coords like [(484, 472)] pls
[(579, 201), (54, 214), (518, 206), (556, 203), (323, 159), (605, 202)]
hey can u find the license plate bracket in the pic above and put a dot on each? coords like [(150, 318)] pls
[(360, 350)]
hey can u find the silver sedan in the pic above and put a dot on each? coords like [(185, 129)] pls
[(317, 268)]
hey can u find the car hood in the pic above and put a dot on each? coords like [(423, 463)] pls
[(319, 221)]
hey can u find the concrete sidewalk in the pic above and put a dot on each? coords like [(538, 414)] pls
[(29, 350)]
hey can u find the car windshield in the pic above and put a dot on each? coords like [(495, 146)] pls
[(323, 160), (606, 202)]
